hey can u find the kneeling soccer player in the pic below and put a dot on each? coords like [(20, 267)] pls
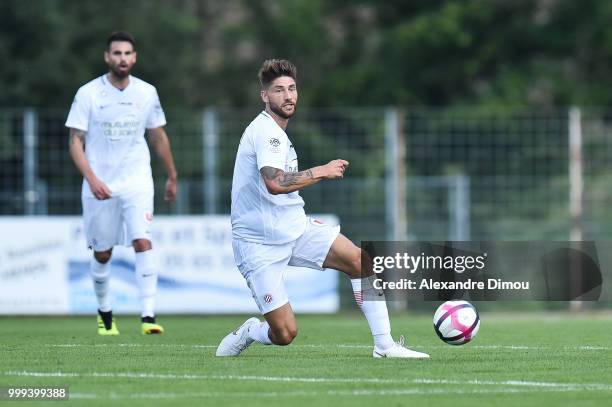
[(270, 228)]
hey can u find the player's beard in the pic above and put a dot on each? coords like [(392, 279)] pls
[(120, 74), (278, 110)]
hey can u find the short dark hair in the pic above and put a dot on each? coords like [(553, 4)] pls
[(120, 36), (275, 68)]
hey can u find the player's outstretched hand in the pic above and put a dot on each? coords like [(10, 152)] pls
[(99, 189), (335, 169), (170, 194)]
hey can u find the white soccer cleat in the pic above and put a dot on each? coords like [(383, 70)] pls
[(399, 351), (238, 340)]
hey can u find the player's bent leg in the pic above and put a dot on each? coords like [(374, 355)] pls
[(344, 256), (146, 277), (350, 259), (100, 272), (279, 328), (263, 272), (283, 326)]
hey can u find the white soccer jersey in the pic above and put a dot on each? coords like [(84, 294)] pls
[(115, 121), (257, 215)]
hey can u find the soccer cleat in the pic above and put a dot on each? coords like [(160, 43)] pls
[(399, 351), (151, 328), (238, 340), (107, 332)]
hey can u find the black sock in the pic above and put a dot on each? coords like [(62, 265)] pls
[(150, 320), (107, 318)]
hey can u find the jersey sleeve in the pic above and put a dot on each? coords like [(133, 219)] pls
[(78, 117), (156, 117), (271, 149)]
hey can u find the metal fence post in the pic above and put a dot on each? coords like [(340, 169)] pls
[(575, 174), (459, 207), (210, 145), (30, 194), (395, 181), (576, 192), (395, 189)]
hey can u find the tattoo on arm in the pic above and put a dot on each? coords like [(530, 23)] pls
[(291, 178), (285, 179)]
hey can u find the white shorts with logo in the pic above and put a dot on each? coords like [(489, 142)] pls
[(263, 266), (118, 220)]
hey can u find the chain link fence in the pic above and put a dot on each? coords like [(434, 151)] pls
[(428, 174)]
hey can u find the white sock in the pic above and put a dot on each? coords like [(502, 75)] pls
[(100, 274), (146, 277), (259, 333), (375, 312)]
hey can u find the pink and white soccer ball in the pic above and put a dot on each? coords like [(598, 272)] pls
[(456, 322)]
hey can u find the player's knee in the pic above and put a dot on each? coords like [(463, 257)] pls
[(285, 336), (293, 333), (142, 245), (103, 257)]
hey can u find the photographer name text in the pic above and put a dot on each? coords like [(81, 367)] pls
[(469, 284)]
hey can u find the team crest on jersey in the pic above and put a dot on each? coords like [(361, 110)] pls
[(274, 145), (268, 298), (148, 216)]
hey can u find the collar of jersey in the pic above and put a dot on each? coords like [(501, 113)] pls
[(108, 83)]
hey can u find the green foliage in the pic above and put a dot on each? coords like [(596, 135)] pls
[(348, 52)]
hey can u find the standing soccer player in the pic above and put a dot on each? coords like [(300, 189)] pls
[(107, 123), (271, 230)]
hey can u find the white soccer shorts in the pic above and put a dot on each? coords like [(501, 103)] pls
[(118, 220), (263, 265)]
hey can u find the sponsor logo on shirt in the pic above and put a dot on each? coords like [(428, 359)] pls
[(118, 130)]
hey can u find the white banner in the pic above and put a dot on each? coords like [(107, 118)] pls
[(44, 269)]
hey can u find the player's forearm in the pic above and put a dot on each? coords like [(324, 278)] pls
[(165, 154), (78, 154), (161, 144), (280, 182)]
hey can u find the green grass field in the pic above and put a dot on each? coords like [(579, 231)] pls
[(521, 359)]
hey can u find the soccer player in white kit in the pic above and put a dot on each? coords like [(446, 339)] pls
[(271, 230), (107, 122)]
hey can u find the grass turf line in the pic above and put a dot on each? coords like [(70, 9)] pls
[(542, 360)]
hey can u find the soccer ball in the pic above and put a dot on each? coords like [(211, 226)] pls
[(456, 322)]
